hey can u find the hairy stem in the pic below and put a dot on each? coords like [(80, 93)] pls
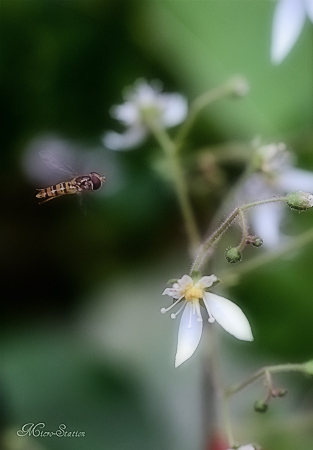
[(244, 228), (203, 254), (180, 184), (237, 387)]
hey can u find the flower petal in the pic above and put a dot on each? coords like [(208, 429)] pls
[(185, 281), (127, 113), (295, 180), (229, 316), (266, 224), (289, 17), (175, 109), (245, 447), (189, 334), (124, 141), (172, 292), (309, 8), (207, 281)]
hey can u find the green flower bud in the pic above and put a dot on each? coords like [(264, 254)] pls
[(239, 86), (300, 201), (233, 255), (257, 242), (260, 406), (308, 367)]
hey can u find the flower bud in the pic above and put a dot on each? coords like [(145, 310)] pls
[(268, 158), (300, 201), (256, 241), (308, 367), (260, 406), (233, 255), (278, 392), (239, 86)]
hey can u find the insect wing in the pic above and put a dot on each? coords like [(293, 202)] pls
[(55, 164)]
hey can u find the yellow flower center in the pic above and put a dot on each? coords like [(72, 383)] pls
[(193, 293)]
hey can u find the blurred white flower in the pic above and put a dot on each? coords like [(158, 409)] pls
[(276, 176), (144, 102), (225, 312), (289, 18)]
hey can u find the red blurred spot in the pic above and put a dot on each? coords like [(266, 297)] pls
[(217, 442)]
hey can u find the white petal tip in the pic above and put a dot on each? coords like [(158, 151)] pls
[(178, 362), (246, 337)]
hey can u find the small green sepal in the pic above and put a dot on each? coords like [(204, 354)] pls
[(195, 275)]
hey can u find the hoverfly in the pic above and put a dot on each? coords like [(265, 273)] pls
[(77, 185)]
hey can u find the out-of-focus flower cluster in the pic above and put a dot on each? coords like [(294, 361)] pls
[(144, 103)]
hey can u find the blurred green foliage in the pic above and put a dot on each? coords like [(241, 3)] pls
[(64, 63)]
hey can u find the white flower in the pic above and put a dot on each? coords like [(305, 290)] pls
[(245, 447), (144, 101), (289, 18), (276, 176), (226, 313)]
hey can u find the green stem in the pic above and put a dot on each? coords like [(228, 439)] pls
[(176, 171), (232, 87), (204, 254), (237, 387), (245, 230)]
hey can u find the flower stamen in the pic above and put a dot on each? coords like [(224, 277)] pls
[(211, 319), (198, 311), (174, 315), (165, 310)]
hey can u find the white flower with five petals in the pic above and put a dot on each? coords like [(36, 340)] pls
[(144, 102), (289, 18), (190, 293)]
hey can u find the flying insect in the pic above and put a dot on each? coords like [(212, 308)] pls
[(77, 185)]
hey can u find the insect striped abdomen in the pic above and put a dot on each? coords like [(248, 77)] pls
[(54, 191)]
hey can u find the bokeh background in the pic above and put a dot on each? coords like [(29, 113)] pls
[(82, 340)]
